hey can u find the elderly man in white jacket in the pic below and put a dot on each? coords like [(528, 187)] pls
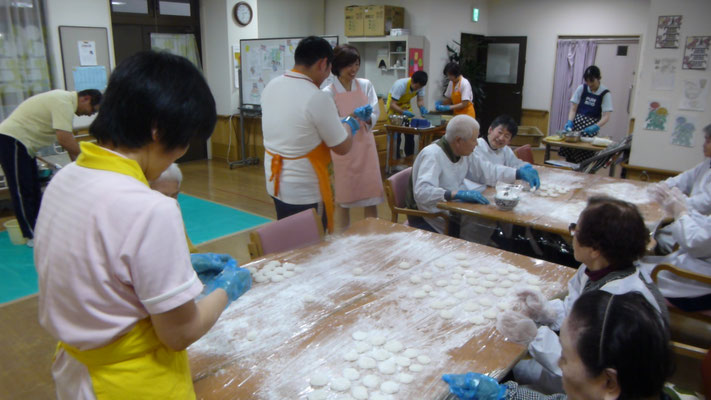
[(448, 170)]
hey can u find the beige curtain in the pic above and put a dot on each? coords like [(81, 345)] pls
[(179, 44), (24, 69)]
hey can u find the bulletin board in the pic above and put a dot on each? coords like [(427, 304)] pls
[(262, 60), (85, 55)]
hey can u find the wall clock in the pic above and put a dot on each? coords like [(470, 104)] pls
[(242, 13)]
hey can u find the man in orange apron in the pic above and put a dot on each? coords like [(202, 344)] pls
[(459, 97), (402, 91), (301, 127)]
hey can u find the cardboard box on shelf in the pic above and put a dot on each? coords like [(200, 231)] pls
[(354, 21), (379, 20)]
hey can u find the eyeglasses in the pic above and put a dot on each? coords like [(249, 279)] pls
[(571, 228)]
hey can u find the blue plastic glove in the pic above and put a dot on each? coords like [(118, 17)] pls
[(233, 280), (443, 107), (473, 386), (591, 130), (568, 126), (424, 110), (530, 175), (408, 114), (352, 123), (211, 262), (471, 196), (363, 113)]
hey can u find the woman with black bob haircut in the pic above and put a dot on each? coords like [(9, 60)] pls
[(117, 287), (608, 239), (614, 347)]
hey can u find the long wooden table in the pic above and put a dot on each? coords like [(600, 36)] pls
[(305, 324), (426, 136), (554, 214)]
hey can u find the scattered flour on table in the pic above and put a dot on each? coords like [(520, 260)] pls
[(623, 191)]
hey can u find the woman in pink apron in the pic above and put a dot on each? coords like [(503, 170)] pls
[(357, 174)]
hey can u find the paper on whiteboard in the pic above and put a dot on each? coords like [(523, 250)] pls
[(89, 78), (87, 52)]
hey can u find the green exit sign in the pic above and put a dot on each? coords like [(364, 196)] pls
[(475, 15)]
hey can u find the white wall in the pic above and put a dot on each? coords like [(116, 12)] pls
[(651, 148), (440, 22), (542, 21), (284, 18)]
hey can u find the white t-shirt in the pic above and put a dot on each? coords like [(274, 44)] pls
[(400, 86), (465, 88), (367, 88), (606, 100), (296, 118)]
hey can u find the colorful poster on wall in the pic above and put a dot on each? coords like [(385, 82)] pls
[(416, 63), (656, 117), (696, 52), (663, 74), (683, 134), (236, 63), (668, 30), (694, 95)]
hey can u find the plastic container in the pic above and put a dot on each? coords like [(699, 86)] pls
[(13, 229)]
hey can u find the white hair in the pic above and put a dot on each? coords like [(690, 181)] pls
[(462, 126), (171, 174)]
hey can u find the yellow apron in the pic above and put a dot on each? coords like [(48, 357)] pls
[(320, 159), (137, 365), (403, 101), (457, 98)]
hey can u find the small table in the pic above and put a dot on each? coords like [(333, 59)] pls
[(572, 145), (426, 136)]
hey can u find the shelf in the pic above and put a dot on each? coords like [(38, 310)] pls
[(356, 39), (398, 52)]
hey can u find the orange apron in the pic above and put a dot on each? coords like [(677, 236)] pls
[(403, 101), (457, 98), (357, 173), (320, 159)]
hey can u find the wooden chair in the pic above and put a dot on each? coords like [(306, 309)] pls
[(396, 192), (677, 324), (295, 231), (525, 153)]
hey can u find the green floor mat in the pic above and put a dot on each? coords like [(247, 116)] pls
[(17, 269)]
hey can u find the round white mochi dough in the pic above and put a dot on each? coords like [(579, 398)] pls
[(491, 277), (277, 278), (416, 279), (377, 340), (279, 270), (252, 335), (289, 274), (485, 301), (427, 288), (357, 271), (451, 289), (415, 367), (461, 295), (389, 387), (351, 355), (487, 284), (441, 283), (427, 275), (440, 264), (477, 320), (404, 265), (362, 347), (272, 264), (351, 373), (359, 393), (308, 298), (380, 354), (411, 353), (471, 306), (438, 304), (405, 378), (402, 361), (318, 380), (340, 384), (499, 291), (418, 294), (359, 335), (393, 346), (288, 266), (446, 314), (490, 314), (480, 289), (506, 283), (460, 256), (318, 394), (387, 367), (371, 381), (260, 278), (365, 362), (298, 269), (423, 359)]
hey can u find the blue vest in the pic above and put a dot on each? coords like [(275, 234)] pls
[(591, 104)]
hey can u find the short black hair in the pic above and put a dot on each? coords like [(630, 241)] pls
[(591, 72), (508, 123), (93, 93), (311, 49), (152, 90), (615, 228), (626, 333), (452, 68), (420, 77), (344, 56)]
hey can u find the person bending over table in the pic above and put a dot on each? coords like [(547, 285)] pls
[(459, 97), (590, 110), (116, 286), (448, 170), (399, 97), (301, 128), (613, 346), (695, 184), (608, 238)]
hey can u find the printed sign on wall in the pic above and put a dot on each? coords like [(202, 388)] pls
[(696, 52), (668, 30)]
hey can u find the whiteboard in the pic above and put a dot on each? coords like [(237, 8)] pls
[(262, 60)]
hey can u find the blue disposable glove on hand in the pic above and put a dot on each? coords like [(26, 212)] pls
[(443, 107), (423, 110), (233, 280), (530, 175), (363, 113), (352, 123), (473, 386), (591, 130), (471, 196), (211, 262), (408, 114), (568, 126)]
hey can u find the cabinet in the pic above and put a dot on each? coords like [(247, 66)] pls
[(385, 59)]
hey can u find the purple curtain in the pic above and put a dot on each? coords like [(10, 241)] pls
[(572, 58)]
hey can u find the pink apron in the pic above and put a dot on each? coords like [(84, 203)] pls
[(357, 173)]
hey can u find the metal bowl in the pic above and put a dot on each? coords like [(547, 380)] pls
[(397, 120), (506, 203), (572, 137)]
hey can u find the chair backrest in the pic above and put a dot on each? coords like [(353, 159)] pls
[(295, 231), (525, 153), (399, 183), (599, 160)]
